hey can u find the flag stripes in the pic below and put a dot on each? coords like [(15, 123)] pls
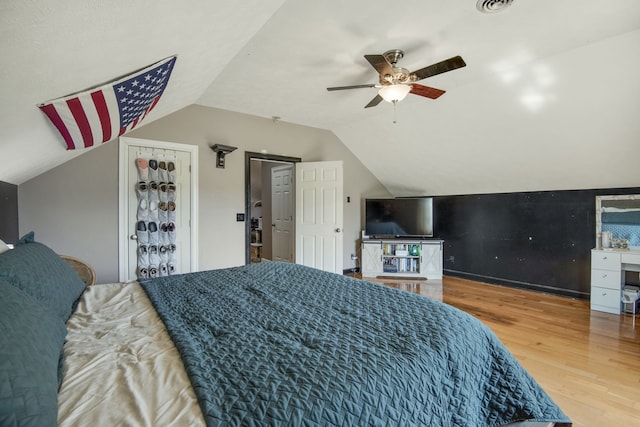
[(92, 117)]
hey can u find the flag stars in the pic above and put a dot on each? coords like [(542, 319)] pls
[(136, 95)]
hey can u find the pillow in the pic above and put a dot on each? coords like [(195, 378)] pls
[(40, 272), (27, 238), (30, 344), (3, 247)]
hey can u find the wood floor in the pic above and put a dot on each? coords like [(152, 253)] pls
[(587, 361)]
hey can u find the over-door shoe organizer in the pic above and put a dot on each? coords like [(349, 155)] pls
[(156, 217)]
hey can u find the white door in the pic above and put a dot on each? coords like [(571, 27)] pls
[(319, 215), (169, 245), (282, 236)]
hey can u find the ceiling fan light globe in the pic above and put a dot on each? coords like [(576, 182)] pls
[(394, 93)]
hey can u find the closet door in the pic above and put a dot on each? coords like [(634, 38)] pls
[(157, 209)]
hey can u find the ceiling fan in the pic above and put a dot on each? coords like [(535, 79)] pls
[(396, 83)]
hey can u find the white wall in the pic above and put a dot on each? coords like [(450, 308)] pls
[(74, 207)]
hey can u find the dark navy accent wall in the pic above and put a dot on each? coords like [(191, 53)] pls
[(534, 240), (8, 212)]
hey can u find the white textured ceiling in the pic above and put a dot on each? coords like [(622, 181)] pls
[(549, 100), (53, 48)]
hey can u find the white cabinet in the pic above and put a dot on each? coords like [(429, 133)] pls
[(402, 258), (608, 268), (431, 263), (371, 259), (606, 281)]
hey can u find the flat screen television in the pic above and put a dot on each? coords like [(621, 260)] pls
[(400, 217)]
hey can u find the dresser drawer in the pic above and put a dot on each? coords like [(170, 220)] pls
[(631, 258), (606, 278), (605, 260), (604, 299)]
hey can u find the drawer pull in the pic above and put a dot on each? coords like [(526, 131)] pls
[(604, 257), (604, 275), (604, 294)]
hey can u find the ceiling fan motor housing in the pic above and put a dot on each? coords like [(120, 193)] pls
[(401, 75)]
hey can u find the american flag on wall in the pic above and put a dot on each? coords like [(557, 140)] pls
[(101, 114)]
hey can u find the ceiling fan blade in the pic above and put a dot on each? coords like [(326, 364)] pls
[(439, 68), (375, 101), (426, 91), (350, 87), (381, 65)]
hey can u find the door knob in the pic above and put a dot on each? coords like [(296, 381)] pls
[(133, 237), (338, 230)]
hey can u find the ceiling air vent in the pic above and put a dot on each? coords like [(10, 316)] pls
[(490, 6)]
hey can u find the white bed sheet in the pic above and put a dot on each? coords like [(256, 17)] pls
[(121, 367)]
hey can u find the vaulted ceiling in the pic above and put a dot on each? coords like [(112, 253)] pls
[(549, 99)]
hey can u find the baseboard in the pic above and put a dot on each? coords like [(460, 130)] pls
[(404, 278), (517, 284)]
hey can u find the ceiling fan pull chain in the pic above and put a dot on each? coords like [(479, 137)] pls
[(395, 111)]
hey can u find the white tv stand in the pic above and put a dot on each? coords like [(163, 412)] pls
[(402, 258)]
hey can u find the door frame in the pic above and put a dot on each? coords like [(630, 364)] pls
[(123, 198), (248, 156)]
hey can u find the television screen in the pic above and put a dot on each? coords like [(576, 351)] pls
[(402, 217)]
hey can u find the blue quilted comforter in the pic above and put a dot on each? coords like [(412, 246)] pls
[(283, 344)]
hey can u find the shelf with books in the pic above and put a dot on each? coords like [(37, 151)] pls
[(402, 258)]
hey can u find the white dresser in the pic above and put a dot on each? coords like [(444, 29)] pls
[(608, 267)]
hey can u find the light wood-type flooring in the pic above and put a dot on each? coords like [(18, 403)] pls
[(587, 361)]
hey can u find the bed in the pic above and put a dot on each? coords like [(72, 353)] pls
[(265, 344)]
